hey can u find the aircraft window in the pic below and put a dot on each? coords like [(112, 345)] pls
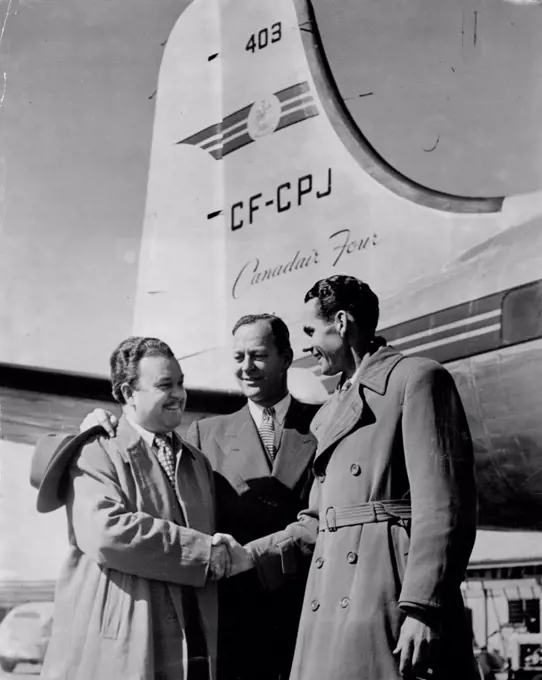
[(522, 314), (526, 613)]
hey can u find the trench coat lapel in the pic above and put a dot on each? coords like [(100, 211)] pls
[(344, 410), (245, 456), (296, 449), (338, 418)]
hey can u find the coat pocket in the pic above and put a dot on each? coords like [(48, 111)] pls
[(114, 603)]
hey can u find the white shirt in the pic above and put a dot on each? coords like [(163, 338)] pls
[(281, 409), (347, 384)]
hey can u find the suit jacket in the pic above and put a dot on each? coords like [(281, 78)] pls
[(258, 629), (135, 545)]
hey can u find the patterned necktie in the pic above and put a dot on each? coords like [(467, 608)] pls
[(267, 431), (165, 455)]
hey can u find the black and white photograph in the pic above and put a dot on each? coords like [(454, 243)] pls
[(271, 339)]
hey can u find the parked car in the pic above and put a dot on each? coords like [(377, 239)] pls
[(24, 634)]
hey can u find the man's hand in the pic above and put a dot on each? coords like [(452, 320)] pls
[(220, 564), (100, 417), (241, 558), (416, 646)]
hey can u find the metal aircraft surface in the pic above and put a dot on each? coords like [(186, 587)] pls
[(263, 178)]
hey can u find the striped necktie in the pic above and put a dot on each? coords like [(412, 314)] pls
[(267, 431), (165, 455)]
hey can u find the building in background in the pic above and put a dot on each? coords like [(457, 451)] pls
[(503, 594)]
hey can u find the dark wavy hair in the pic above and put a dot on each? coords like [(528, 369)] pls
[(124, 361), (349, 294), (281, 334)]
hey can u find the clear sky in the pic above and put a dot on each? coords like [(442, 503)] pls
[(75, 131)]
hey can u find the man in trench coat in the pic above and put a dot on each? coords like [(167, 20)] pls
[(392, 515), (136, 599)]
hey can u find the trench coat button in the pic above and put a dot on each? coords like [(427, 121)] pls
[(352, 558), (345, 602), (314, 605), (321, 478), (319, 562), (355, 469)]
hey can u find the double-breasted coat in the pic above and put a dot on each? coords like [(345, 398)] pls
[(135, 544), (257, 630), (399, 433)]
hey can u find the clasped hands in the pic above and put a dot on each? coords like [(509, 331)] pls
[(228, 557)]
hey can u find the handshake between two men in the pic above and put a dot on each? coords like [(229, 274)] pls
[(228, 557)]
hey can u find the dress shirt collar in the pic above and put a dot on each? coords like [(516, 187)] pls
[(281, 409), (346, 383), (147, 435)]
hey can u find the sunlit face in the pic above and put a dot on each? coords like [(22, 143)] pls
[(260, 368), (158, 400), (326, 344)]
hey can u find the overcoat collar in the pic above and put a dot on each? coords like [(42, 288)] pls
[(128, 438), (247, 459), (343, 411)]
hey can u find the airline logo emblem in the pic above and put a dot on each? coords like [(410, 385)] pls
[(277, 111), (264, 117)]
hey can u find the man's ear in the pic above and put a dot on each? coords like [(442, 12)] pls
[(341, 322), (288, 357), (127, 392)]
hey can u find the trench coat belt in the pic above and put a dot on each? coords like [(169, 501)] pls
[(365, 513)]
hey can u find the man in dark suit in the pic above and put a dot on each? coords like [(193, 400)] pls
[(262, 458)]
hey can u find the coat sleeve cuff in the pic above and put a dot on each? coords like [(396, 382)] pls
[(198, 567), (426, 613), (275, 564)]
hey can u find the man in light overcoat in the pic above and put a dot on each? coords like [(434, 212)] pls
[(136, 599), (392, 514)]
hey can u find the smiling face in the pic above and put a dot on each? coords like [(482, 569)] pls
[(327, 346), (260, 368), (158, 400)]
